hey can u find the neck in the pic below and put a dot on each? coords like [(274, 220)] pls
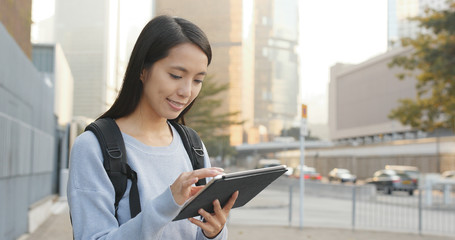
[(138, 123), (147, 127)]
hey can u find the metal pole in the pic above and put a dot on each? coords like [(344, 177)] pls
[(438, 153), (302, 185), (353, 206), (420, 211), (303, 133), (290, 205), (447, 191)]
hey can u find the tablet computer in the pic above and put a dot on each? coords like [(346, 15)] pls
[(249, 184)]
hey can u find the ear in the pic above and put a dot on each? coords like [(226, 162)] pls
[(143, 75)]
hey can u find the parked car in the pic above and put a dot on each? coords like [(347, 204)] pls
[(448, 174), (411, 171), (390, 180), (309, 173), (446, 178), (342, 175)]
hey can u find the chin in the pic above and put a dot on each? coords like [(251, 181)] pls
[(172, 116)]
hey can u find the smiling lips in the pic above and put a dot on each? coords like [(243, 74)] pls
[(176, 105)]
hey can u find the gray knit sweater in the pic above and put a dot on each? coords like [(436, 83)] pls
[(91, 194)]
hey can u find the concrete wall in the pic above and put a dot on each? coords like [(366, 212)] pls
[(27, 142), (430, 155)]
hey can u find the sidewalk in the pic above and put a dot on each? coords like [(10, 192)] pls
[(58, 227)]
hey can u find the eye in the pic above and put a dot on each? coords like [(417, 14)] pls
[(198, 81), (174, 76)]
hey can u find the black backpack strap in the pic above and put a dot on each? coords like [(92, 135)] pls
[(193, 146), (115, 161)]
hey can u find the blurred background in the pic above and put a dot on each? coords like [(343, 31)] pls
[(376, 77)]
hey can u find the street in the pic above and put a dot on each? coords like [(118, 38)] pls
[(397, 212), (325, 218)]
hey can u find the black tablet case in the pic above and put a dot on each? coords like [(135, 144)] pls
[(248, 183)]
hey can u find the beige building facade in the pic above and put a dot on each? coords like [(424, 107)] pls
[(222, 22), (16, 16), (254, 50), (362, 96)]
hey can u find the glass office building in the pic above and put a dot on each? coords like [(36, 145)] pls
[(276, 64)]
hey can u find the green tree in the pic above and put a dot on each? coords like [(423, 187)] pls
[(212, 124), (432, 63)]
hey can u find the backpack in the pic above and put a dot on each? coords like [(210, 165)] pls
[(116, 163)]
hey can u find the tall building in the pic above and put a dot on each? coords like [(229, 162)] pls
[(276, 97), (82, 29), (16, 16), (97, 38), (399, 14), (254, 50), (222, 22), (51, 62)]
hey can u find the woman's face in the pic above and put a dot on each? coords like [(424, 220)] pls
[(173, 82)]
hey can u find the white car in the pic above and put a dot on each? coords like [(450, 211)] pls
[(342, 175), (448, 174)]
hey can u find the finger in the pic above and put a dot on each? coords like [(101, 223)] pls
[(206, 172), (195, 190), (219, 213), (189, 182), (231, 202), (217, 206), (206, 215), (210, 219), (206, 227), (211, 169), (197, 223)]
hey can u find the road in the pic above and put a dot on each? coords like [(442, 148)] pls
[(398, 212), (325, 218)]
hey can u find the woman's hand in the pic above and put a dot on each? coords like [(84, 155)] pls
[(214, 223), (183, 188)]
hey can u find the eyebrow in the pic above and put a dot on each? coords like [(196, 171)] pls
[(184, 70)]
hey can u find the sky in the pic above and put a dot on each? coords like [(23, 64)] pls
[(331, 31)]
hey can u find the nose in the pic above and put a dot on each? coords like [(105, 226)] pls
[(184, 89)]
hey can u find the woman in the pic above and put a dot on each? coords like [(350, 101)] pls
[(164, 76)]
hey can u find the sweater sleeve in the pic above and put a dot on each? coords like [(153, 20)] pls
[(91, 200)]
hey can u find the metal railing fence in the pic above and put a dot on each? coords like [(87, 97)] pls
[(374, 210)]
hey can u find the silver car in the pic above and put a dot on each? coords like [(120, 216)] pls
[(391, 180), (342, 175)]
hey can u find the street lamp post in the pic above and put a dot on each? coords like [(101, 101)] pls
[(303, 133)]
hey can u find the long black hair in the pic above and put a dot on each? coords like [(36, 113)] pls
[(156, 39)]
